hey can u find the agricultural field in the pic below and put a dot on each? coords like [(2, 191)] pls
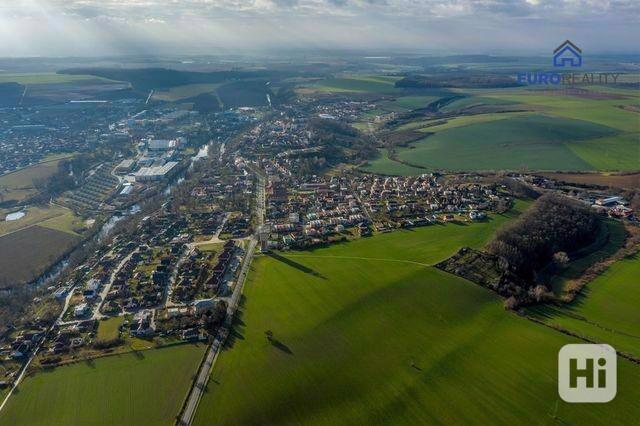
[(386, 166), (27, 253), (623, 180), (34, 242), (49, 216), (18, 185), (610, 240), (535, 142), (178, 93), (606, 310), (356, 84), (145, 388), (369, 332), (574, 130), (45, 78)]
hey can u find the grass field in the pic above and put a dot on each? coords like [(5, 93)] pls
[(533, 142), (143, 388), (581, 131), (54, 217), (612, 240), (358, 84), (607, 309), (362, 335), (108, 329), (19, 185), (386, 166), (45, 78)]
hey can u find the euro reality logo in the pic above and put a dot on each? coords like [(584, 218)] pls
[(567, 55)]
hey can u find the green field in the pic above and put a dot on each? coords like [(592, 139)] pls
[(607, 309), (557, 130), (142, 388), (45, 78), (536, 142), (385, 166), (610, 240), (49, 216), (357, 84), (20, 184), (366, 332), (108, 329)]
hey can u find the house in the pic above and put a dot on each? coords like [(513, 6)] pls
[(203, 305), (81, 310), (567, 54)]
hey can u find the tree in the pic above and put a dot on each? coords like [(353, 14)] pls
[(561, 259)]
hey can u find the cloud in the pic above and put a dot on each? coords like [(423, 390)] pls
[(95, 27)]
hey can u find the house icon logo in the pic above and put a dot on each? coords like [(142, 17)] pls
[(567, 54)]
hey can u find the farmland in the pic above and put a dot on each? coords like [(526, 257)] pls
[(533, 142), (356, 84), (367, 332), (497, 129), (145, 387), (606, 310), (45, 78), (27, 253), (20, 184)]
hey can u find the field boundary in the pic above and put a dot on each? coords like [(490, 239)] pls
[(360, 258)]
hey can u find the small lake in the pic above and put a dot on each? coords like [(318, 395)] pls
[(15, 216)]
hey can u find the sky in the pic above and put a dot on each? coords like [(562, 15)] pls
[(125, 27)]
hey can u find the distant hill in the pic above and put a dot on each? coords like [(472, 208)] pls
[(163, 78), (462, 81)]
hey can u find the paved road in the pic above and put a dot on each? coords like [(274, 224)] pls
[(214, 350), (212, 355), (105, 290)]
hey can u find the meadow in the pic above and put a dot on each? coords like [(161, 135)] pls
[(589, 130), (356, 84), (142, 388), (45, 78), (368, 332), (606, 310), (18, 185), (27, 253), (535, 142)]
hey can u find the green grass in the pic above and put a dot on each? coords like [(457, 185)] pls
[(44, 78), (610, 241), (535, 142), (144, 388), (35, 215), (607, 309), (359, 84), (20, 184), (362, 336), (108, 329), (600, 111), (619, 152), (386, 166), (471, 101)]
